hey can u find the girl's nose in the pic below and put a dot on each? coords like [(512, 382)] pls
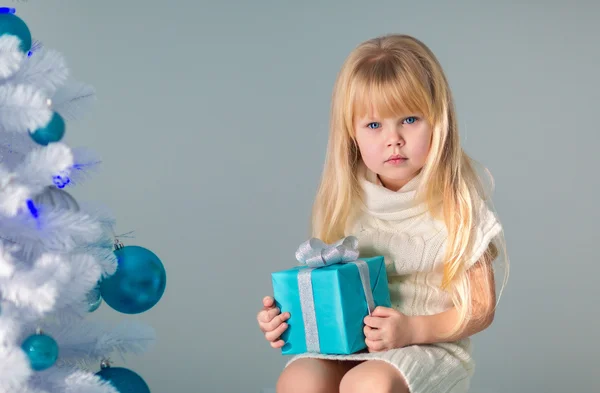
[(395, 139)]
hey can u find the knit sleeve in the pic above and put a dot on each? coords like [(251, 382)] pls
[(486, 227)]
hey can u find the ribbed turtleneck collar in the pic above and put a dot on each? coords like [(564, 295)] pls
[(386, 204)]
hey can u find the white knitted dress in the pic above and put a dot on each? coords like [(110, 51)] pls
[(413, 244)]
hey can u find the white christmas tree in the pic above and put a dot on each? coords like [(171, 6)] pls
[(59, 259)]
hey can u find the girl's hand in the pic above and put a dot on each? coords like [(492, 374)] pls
[(387, 329), (272, 322)]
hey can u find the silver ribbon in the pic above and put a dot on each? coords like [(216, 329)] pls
[(316, 254)]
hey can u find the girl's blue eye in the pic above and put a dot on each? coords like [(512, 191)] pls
[(375, 124), (410, 120)]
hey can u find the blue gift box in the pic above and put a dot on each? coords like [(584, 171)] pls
[(327, 302)]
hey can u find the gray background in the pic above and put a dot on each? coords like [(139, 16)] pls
[(212, 122)]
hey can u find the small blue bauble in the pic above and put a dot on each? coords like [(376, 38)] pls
[(56, 199), (13, 25), (41, 350), (124, 380), (139, 282), (53, 132), (94, 299)]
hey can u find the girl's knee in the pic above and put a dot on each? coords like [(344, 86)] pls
[(309, 375), (373, 376)]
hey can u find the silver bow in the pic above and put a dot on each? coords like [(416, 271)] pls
[(316, 254)]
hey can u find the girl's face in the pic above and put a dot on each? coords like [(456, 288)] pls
[(394, 148)]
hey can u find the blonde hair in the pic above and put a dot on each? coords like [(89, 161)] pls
[(399, 74)]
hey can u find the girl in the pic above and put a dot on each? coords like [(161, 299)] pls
[(397, 178)]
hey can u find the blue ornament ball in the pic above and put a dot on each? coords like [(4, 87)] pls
[(52, 132), (124, 380), (42, 351), (13, 25), (139, 282)]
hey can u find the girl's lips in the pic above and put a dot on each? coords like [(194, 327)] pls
[(396, 159)]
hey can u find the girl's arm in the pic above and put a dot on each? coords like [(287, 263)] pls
[(434, 328)]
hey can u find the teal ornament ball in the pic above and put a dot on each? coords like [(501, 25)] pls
[(13, 25), (124, 380), (138, 283), (52, 132), (42, 351)]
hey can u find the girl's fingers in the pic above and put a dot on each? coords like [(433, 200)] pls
[(273, 313), (374, 322), (374, 346), (276, 333), (268, 301), (266, 316), (276, 321), (372, 334), (277, 344)]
